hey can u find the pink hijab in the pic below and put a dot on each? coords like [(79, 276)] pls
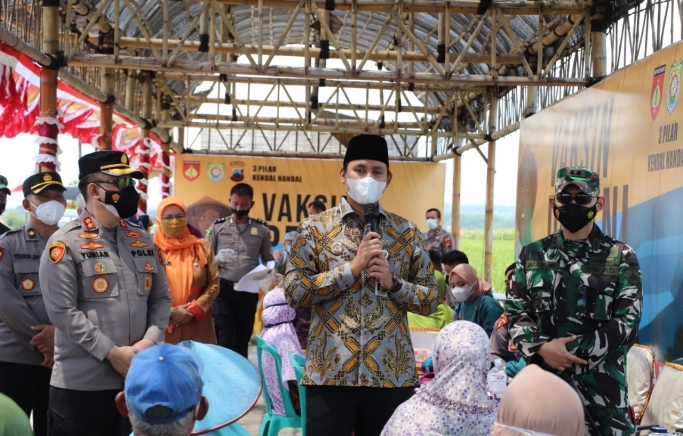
[(469, 274), (539, 403)]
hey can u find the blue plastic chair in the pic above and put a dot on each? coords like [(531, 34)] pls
[(272, 423), (299, 362)]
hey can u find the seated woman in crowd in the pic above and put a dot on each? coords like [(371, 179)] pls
[(443, 314), (455, 402), (538, 402), (475, 302), (278, 330), (191, 274)]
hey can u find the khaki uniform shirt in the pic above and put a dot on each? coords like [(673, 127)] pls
[(440, 241), (356, 337), (245, 243), (102, 287), (21, 299)]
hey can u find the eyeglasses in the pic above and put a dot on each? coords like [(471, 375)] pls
[(180, 216), (122, 183), (582, 199)]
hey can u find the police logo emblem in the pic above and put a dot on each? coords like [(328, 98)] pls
[(148, 267), (115, 197), (56, 251), (89, 223), (32, 233), (216, 171), (124, 159), (237, 171), (27, 285), (100, 285), (148, 283), (139, 244), (657, 90), (47, 178), (100, 268), (254, 231)]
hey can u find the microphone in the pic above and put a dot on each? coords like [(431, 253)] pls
[(371, 212)]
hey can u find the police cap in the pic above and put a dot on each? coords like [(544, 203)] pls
[(37, 183), (114, 163)]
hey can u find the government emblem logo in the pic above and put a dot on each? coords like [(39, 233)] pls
[(191, 170), (237, 171), (673, 89), (657, 91), (216, 171), (100, 285), (27, 285)]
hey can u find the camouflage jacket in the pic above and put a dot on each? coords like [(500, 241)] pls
[(592, 290), (356, 337)]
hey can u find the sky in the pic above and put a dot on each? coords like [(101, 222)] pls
[(17, 163)]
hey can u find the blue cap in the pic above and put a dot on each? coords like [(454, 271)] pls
[(164, 376), (289, 236)]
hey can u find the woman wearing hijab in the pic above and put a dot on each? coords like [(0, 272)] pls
[(278, 330), (475, 302), (455, 402), (539, 403), (191, 273)]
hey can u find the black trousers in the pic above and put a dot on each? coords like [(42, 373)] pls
[(85, 413), (335, 410), (29, 387), (233, 314)]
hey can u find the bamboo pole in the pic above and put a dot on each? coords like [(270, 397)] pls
[(490, 176), (144, 149), (107, 110), (474, 144), (599, 54), (455, 211), (131, 88), (48, 129), (531, 101), (165, 176)]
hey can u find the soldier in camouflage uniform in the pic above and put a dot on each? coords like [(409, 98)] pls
[(575, 303)]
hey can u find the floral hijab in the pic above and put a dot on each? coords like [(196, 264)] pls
[(456, 401)]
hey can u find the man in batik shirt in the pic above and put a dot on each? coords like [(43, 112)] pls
[(360, 363)]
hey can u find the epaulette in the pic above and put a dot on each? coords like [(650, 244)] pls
[(14, 230), (260, 221), (135, 224), (219, 220)]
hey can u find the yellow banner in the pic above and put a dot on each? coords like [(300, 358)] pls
[(284, 187), (626, 129)]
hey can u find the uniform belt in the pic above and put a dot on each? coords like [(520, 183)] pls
[(228, 282)]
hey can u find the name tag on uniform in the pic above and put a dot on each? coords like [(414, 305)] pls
[(540, 264), (600, 269)]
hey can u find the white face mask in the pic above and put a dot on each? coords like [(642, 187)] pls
[(463, 294), (366, 190), (112, 210), (50, 212), (432, 223)]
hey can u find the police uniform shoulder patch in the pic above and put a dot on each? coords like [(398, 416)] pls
[(503, 320), (260, 221), (89, 223), (56, 251), (124, 224), (27, 285), (448, 243)]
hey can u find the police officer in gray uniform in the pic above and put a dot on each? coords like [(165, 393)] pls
[(26, 336), (437, 238), (105, 291), (237, 241)]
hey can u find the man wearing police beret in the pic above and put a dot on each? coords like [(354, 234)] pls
[(106, 293), (26, 335)]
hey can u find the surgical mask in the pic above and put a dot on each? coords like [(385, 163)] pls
[(174, 228), (122, 204), (366, 190), (432, 223), (50, 212), (239, 214), (574, 217), (288, 248), (463, 294)]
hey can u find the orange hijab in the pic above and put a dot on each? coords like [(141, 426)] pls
[(179, 254)]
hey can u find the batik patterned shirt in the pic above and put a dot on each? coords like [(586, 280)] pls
[(356, 337)]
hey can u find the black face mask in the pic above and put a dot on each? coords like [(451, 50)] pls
[(241, 213), (2, 208), (574, 217), (125, 202)]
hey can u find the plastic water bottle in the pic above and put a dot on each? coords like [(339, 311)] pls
[(497, 379)]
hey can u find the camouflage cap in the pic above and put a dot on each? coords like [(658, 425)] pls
[(587, 180)]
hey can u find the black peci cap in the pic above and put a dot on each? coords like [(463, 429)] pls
[(36, 183), (372, 147), (114, 163)]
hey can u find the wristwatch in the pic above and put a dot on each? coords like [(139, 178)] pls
[(398, 284)]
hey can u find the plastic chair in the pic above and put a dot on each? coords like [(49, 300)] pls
[(299, 362), (272, 423)]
